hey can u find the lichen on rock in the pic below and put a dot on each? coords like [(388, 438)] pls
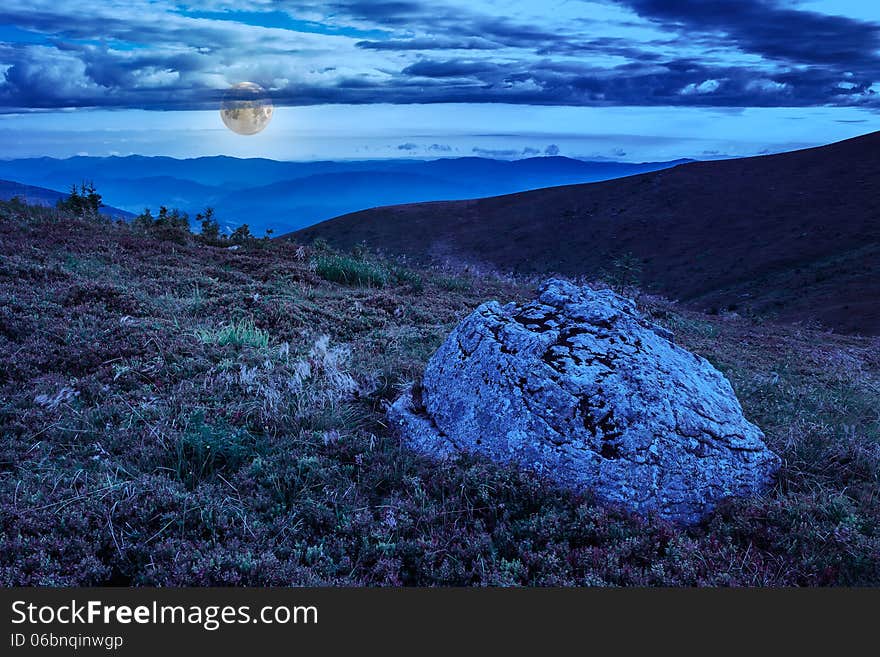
[(580, 386)]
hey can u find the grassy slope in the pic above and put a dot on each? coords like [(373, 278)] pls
[(171, 414), (793, 236)]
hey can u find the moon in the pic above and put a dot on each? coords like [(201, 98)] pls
[(246, 109)]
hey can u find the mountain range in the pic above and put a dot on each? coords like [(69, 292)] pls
[(795, 236), (286, 196)]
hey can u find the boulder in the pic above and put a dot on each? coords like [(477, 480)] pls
[(578, 385)]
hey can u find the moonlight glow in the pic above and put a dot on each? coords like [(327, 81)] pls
[(246, 109)]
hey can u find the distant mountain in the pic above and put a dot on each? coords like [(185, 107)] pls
[(304, 201), (285, 196), (153, 191), (48, 197), (794, 236)]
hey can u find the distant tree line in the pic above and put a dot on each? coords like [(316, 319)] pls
[(85, 201), (175, 225)]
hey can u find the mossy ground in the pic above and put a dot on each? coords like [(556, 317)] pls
[(174, 413)]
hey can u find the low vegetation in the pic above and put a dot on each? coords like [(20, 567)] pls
[(175, 412), (350, 271)]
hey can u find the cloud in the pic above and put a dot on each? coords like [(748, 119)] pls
[(705, 87), (499, 153), (156, 54), (449, 69), (772, 29), (552, 150), (409, 146), (431, 43)]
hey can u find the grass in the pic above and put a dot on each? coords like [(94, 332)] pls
[(350, 271), (146, 438), (454, 283)]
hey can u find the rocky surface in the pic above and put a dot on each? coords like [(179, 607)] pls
[(580, 386)]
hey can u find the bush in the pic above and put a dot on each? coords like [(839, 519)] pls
[(205, 450), (350, 271)]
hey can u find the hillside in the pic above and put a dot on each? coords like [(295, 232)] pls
[(177, 413), (794, 236)]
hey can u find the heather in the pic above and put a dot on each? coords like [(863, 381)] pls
[(176, 412)]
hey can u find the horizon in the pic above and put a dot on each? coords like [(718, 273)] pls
[(344, 160), (417, 159)]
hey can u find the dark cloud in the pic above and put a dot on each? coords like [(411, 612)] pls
[(449, 69), (431, 43), (436, 53), (382, 12), (773, 30)]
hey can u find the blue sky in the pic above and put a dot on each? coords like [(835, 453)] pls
[(617, 79)]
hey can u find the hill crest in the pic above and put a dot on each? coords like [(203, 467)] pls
[(793, 235)]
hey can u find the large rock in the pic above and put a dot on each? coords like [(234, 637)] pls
[(580, 386)]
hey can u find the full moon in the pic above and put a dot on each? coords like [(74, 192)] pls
[(246, 109)]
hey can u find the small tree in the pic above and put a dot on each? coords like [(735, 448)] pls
[(174, 219), (210, 227), (626, 271), (170, 225), (17, 203), (144, 221), (83, 202), (241, 235), (92, 200)]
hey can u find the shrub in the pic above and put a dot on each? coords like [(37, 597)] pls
[(204, 450), (625, 272), (350, 271), (16, 204)]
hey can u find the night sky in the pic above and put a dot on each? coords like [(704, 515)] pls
[(627, 79)]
